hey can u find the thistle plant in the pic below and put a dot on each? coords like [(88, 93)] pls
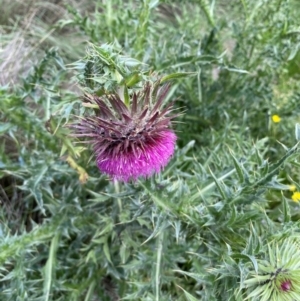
[(278, 274), (197, 232), (134, 141)]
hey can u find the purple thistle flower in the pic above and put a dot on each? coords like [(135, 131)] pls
[(286, 285), (134, 141)]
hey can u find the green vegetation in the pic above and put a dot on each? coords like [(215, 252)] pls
[(221, 222)]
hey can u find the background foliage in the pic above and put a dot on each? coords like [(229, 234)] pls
[(196, 231)]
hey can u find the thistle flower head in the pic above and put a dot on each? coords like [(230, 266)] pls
[(286, 285), (130, 141), (278, 275)]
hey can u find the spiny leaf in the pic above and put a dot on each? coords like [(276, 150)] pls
[(219, 186), (238, 168), (177, 76)]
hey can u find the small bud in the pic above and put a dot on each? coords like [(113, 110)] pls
[(286, 285)]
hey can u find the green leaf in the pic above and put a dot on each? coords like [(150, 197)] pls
[(50, 266), (90, 292), (106, 251), (197, 277), (297, 131), (188, 296), (219, 185), (4, 127), (286, 209), (177, 76), (238, 168), (246, 257)]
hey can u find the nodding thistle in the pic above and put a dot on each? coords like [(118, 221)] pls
[(134, 141)]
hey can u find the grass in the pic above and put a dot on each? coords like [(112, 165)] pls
[(205, 228)]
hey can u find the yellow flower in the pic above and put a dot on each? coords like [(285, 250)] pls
[(292, 187), (296, 196), (276, 118)]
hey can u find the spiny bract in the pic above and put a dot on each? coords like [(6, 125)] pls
[(132, 141)]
